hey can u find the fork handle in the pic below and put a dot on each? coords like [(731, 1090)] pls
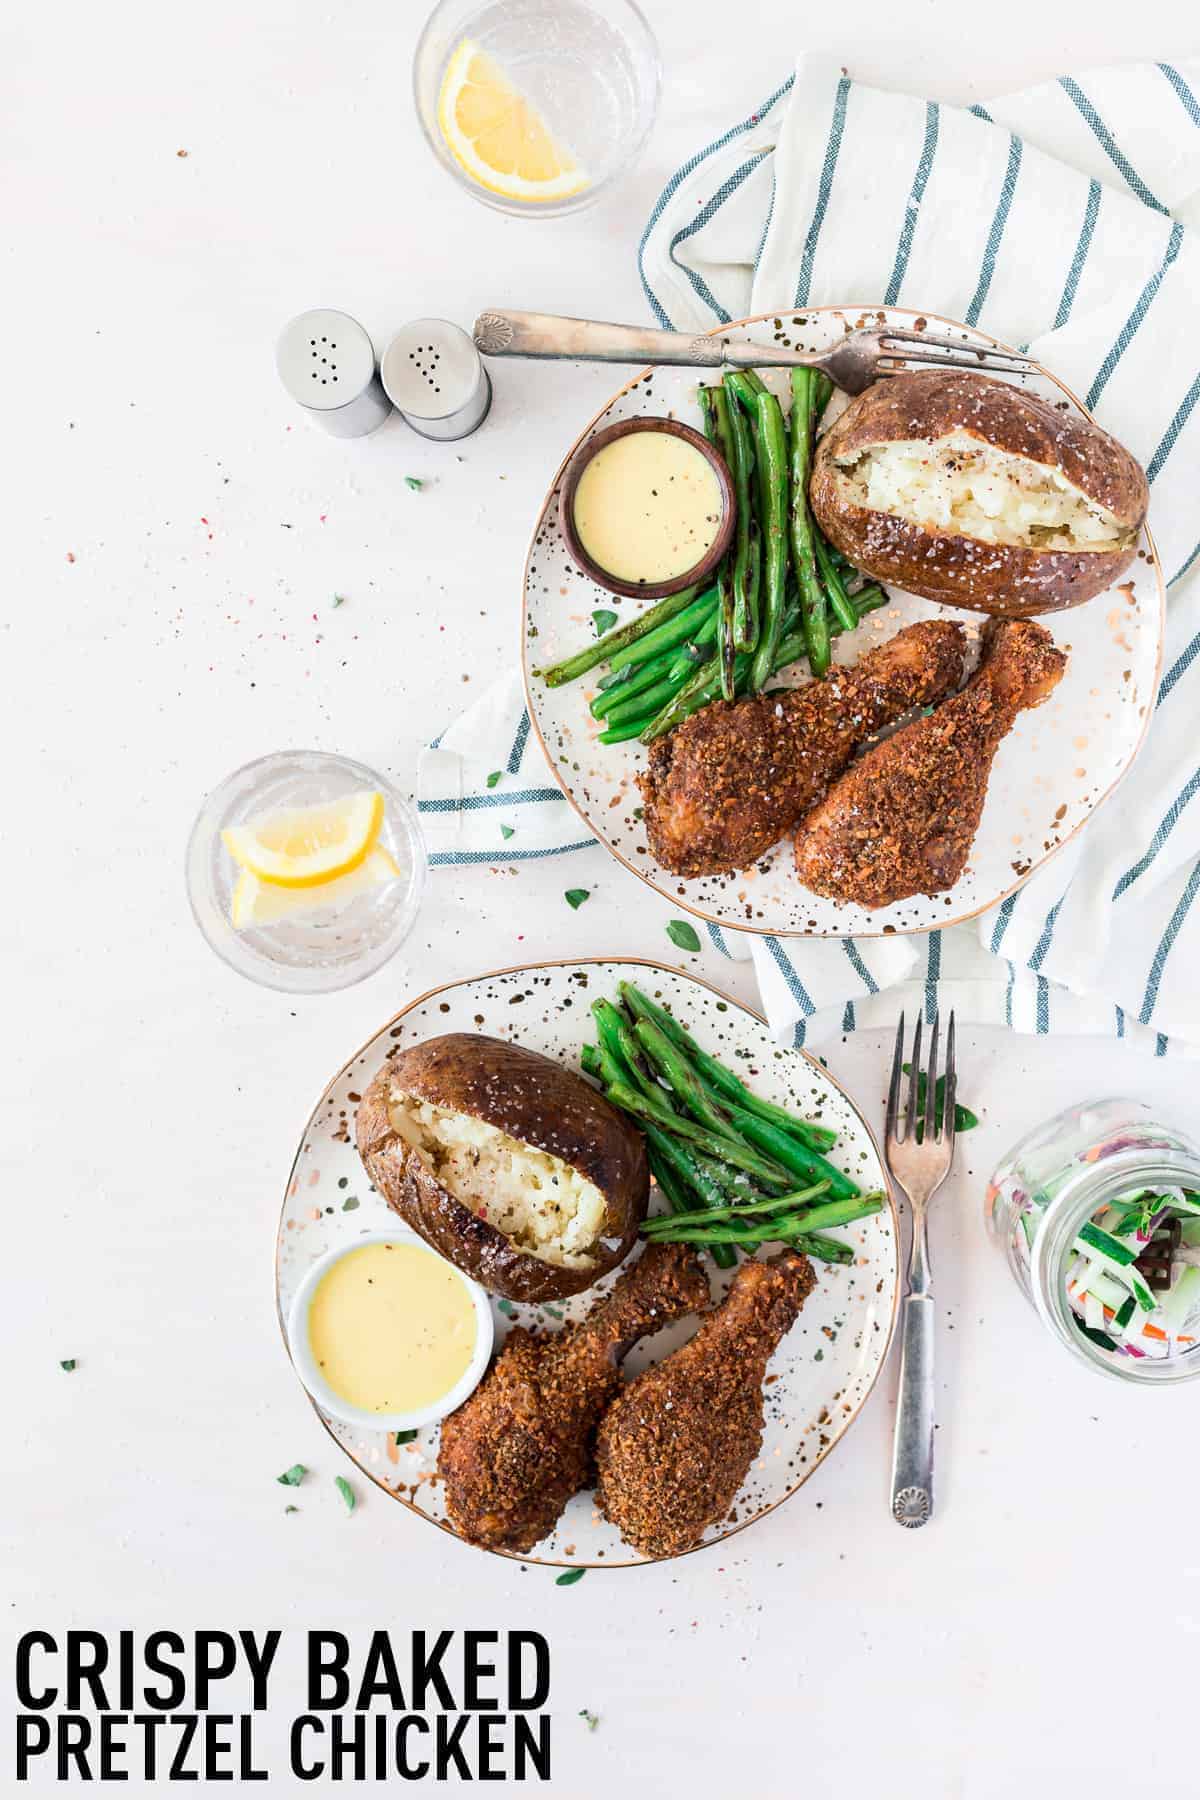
[(544, 335), (912, 1451)]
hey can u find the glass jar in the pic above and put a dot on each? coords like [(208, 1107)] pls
[(1050, 1185)]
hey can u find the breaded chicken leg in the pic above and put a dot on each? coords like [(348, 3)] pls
[(732, 780), (903, 819), (515, 1452), (675, 1446)]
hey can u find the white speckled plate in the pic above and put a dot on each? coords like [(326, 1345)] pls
[(1051, 772), (826, 1366)]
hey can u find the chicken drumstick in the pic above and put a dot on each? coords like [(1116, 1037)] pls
[(513, 1455), (732, 780), (902, 821), (674, 1447)]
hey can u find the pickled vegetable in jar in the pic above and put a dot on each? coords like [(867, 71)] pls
[(1098, 1213)]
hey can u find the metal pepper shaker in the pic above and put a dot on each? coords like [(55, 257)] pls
[(326, 362), (435, 378)]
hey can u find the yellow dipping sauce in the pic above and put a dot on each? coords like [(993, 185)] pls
[(647, 506), (392, 1327)]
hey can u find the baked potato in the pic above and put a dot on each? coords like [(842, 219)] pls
[(972, 492), (508, 1164)]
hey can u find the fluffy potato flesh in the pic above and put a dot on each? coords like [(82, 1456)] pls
[(542, 1205), (959, 484)]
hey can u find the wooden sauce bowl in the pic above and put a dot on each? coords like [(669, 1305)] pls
[(652, 590)]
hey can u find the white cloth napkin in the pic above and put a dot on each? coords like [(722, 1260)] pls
[(1054, 218)]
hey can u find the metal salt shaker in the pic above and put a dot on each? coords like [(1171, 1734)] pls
[(435, 379), (326, 362)]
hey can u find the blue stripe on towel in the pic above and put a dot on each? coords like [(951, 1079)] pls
[(1043, 1005), (833, 145), (475, 802), (860, 968), (933, 970), (1107, 142), (915, 196), (1167, 942), (1047, 937), (1003, 921), (1160, 1044), (717, 939), (981, 112), (796, 987), (727, 187), (1183, 568), (1008, 994), (519, 743), (996, 233), (1120, 1011), (1186, 658), (1190, 104), (1125, 336), (680, 175), (848, 1016), (1154, 466), (1166, 826), (1091, 213), (447, 859), (800, 1033)]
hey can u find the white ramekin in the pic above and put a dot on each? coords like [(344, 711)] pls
[(333, 1403)]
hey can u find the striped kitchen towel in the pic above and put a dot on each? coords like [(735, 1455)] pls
[(1054, 218)]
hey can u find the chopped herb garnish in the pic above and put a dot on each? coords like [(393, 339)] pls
[(346, 1491), (593, 1719), (69, 1365), (683, 934), (349, 1204), (495, 777), (506, 831), (964, 1118), (338, 600), (292, 1477), (575, 897), (603, 621), (288, 1509), (405, 1437), (569, 1577), (507, 1308), (414, 482)]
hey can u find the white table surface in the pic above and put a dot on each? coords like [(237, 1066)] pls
[(174, 534)]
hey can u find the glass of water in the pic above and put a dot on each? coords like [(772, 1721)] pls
[(536, 106)]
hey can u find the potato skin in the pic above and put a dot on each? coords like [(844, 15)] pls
[(533, 1099), (1006, 580)]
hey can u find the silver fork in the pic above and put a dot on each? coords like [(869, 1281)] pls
[(861, 357), (918, 1169)]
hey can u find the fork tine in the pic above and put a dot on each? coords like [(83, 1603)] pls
[(961, 346), (951, 1088), (893, 1101), (931, 1131), (914, 1077), (979, 362)]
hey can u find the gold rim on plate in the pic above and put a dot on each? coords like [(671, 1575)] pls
[(676, 897), (580, 962)]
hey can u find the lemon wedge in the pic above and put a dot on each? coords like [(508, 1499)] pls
[(493, 132), (258, 902), (308, 845)]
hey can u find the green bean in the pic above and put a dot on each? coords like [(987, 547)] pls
[(618, 639), (646, 704), (666, 636), (717, 1076), (609, 1027), (637, 680), (812, 595), (590, 1063), (705, 684), (822, 394), (623, 734), (835, 587), (746, 542), (742, 1156), (796, 1157), (825, 1249), (726, 649), (745, 384), (771, 450), (785, 1203), (685, 1084), (678, 1158), (668, 1182)]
